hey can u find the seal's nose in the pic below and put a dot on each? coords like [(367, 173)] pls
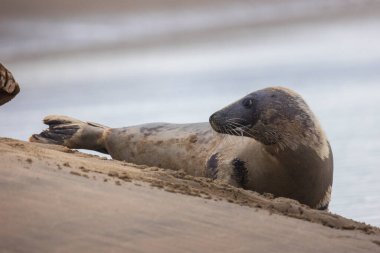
[(214, 122), (211, 119)]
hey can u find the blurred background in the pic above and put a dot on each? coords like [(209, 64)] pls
[(126, 62)]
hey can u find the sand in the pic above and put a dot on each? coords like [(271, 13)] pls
[(54, 199)]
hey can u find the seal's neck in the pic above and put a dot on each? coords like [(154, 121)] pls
[(311, 173)]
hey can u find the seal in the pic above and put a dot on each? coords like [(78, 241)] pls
[(269, 141), (9, 88)]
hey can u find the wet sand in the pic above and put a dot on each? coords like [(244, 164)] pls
[(58, 200)]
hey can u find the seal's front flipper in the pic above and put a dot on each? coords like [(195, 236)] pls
[(72, 133)]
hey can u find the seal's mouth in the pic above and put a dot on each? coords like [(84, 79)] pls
[(233, 128), (230, 126)]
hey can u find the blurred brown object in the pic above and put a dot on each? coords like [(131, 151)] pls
[(9, 88)]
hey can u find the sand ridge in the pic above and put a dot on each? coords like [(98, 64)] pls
[(32, 155)]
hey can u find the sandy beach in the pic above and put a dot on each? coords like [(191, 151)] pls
[(58, 200)]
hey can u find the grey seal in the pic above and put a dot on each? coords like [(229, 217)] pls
[(269, 141), (9, 88)]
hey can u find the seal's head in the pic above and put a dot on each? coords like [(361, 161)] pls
[(274, 116), (282, 121)]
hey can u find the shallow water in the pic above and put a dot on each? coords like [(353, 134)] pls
[(335, 66)]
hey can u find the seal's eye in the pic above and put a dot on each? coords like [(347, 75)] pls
[(247, 103)]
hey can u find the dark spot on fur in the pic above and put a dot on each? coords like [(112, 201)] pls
[(239, 172), (376, 242), (147, 131), (212, 167), (150, 129)]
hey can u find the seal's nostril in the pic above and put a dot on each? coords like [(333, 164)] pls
[(214, 122), (211, 119)]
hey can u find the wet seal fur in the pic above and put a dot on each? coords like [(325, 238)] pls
[(269, 141), (9, 88)]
